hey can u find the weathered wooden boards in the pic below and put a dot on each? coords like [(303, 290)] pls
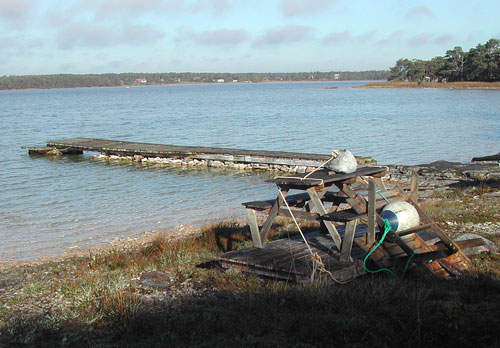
[(128, 148), (487, 158), (51, 151), (398, 251), (291, 260)]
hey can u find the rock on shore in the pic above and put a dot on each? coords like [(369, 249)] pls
[(442, 173)]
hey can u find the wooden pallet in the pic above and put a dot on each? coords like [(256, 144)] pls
[(291, 260)]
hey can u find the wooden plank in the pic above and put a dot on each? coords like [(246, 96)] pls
[(345, 215), (414, 185), (370, 236), (294, 200), (272, 214), (254, 228), (463, 244), (298, 181), (345, 253), (298, 214), (316, 202), (289, 259), (357, 201), (198, 152)]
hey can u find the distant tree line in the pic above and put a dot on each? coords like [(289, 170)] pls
[(481, 63), (130, 79)]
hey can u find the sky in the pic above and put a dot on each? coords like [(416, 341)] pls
[(101, 36)]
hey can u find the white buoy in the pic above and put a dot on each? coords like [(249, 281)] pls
[(402, 215)]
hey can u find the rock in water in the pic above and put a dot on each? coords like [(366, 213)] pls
[(345, 162)]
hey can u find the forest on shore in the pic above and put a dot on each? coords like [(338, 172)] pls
[(481, 63), (131, 79)]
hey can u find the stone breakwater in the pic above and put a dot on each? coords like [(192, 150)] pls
[(206, 163), (431, 176), (446, 174)]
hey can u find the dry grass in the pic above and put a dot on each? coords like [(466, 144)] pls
[(98, 300), (452, 85)]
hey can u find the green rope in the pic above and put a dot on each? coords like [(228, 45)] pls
[(387, 229), (382, 195)]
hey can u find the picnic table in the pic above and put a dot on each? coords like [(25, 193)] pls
[(351, 203), (319, 188)]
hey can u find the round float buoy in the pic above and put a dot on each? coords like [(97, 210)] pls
[(402, 215)]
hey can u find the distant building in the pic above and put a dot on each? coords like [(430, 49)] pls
[(220, 80), (336, 76), (141, 81)]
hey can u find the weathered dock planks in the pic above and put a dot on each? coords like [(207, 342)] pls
[(128, 148), (290, 260)]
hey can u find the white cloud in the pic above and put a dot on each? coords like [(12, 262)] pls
[(420, 12), (443, 39), (112, 7), (286, 34), (220, 37), (95, 35), (300, 7), (16, 13), (430, 39), (217, 6), (346, 35)]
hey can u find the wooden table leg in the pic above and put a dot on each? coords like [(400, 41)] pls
[(370, 234), (254, 228), (272, 214), (316, 202), (345, 252)]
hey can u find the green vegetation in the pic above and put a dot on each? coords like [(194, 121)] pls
[(131, 79), (101, 299), (478, 64)]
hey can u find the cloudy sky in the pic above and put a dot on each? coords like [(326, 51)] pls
[(96, 36)]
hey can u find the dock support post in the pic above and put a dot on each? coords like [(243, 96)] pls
[(414, 186)]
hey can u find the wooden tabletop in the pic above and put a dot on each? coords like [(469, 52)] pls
[(324, 177)]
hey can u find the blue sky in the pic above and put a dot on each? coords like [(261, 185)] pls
[(97, 36)]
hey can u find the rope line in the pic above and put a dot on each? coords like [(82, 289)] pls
[(387, 229), (382, 195)]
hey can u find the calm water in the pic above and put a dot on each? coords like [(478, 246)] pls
[(49, 205)]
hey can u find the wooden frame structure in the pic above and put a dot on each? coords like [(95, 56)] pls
[(310, 205), (443, 258)]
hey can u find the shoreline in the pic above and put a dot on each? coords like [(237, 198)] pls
[(472, 85), (433, 177), (190, 83)]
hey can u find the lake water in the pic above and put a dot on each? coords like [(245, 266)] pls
[(49, 205)]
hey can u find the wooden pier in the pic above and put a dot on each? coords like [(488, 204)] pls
[(128, 148)]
